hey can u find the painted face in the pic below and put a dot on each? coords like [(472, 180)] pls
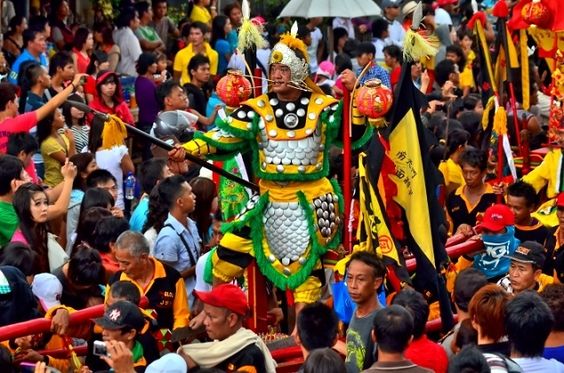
[(216, 322), (38, 206), (361, 283), (522, 276)]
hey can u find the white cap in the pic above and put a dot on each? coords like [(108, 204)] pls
[(169, 363), (48, 289)]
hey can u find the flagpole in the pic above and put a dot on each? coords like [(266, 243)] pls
[(347, 165)]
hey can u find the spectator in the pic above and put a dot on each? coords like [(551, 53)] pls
[(76, 121), (235, 14), (85, 164), (105, 235), (82, 47), (421, 350), (21, 256), (473, 197), (198, 89), (121, 324), (391, 14), (205, 193), (393, 60), (317, 328), (161, 284), (103, 35), (380, 33), (528, 322), (364, 276), (129, 46), (324, 360), (148, 37), (469, 359), (200, 13), (340, 37), (31, 205), (553, 295), (93, 208), (55, 147), (13, 39), (366, 53), (392, 332), (104, 179), (525, 270), (98, 62), (467, 283), (178, 243), (221, 27), (317, 46), (151, 172), (20, 304), (109, 97), (164, 26), (82, 277), (455, 54), (158, 213), (146, 94), (61, 70), (197, 45), (24, 146), (61, 33), (35, 48), (225, 307), (12, 175)]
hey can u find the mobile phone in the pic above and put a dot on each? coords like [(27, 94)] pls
[(99, 348), (26, 367)]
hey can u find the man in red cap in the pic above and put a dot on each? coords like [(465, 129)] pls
[(234, 348), (498, 234)]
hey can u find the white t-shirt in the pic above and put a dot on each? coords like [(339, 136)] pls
[(316, 37), (151, 236), (130, 50), (539, 365), (110, 159), (397, 34)]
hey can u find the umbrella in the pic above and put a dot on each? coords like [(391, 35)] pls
[(330, 8)]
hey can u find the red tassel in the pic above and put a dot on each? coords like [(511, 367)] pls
[(477, 17), (290, 297), (500, 9)]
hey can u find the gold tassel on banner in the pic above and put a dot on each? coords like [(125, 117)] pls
[(523, 50)]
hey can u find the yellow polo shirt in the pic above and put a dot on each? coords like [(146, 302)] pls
[(200, 14), (183, 57)]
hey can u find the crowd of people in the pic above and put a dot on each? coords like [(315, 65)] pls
[(88, 218)]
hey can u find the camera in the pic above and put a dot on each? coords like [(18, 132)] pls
[(99, 348)]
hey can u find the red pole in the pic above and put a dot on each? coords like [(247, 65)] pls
[(347, 165), (257, 82)]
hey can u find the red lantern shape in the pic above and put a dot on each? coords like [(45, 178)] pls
[(374, 100), (233, 88), (536, 13)]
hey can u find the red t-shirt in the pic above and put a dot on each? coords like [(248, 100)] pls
[(427, 354), (21, 123)]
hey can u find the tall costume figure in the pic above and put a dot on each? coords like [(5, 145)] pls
[(296, 217)]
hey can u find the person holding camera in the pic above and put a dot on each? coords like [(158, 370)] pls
[(120, 349)]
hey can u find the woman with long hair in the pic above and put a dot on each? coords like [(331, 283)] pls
[(98, 62), (82, 45), (103, 36), (76, 121), (221, 27), (55, 147), (13, 39), (31, 204), (158, 213), (88, 219), (106, 233), (85, 164), (206, 195)]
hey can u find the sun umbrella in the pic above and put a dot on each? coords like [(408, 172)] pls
[(330, 8)]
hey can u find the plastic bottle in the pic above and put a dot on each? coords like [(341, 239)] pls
[(130, 186)]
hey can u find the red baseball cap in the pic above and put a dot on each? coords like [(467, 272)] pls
[(226, 296), (497, 217), (446, 2), (560, 200)]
